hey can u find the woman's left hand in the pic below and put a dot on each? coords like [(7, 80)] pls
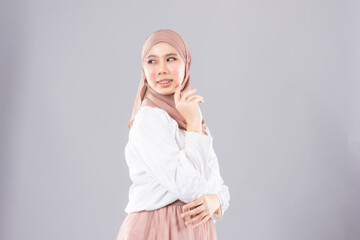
[(203, 208)]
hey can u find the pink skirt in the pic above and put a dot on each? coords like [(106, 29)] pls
[(164, 223)]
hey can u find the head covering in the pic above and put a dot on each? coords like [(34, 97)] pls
[(146, 96)]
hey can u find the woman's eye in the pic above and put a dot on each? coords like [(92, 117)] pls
[(150, 61)]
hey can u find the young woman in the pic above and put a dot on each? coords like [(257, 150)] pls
[(177, 190)]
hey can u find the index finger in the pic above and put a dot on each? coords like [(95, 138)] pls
[(177, 93)]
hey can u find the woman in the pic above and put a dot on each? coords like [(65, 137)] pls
[(177, 190)]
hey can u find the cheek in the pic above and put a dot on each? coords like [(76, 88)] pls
[(150, 74), (174, 70)]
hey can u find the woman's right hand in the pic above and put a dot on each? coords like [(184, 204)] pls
[(186, 104)]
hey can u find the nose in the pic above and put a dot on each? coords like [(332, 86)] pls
[(162, 67)]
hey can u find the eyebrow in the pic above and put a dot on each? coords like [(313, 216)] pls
[(169, 54)]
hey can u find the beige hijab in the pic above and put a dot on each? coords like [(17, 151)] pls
[(146, 96)]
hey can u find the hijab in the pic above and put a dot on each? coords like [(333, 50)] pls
[(146, 96)]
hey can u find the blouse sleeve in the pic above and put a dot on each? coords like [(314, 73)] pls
[(181, 171), (221, 190)]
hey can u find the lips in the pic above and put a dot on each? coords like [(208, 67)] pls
[(165, 79), (166, 84)]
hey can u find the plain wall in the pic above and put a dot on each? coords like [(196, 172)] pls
[(280, 80)]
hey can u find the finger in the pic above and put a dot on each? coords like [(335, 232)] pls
[(203, 221), (191, 95), (191, 98), (197, 99), (199, 209), (196, 219), (194, 203), (177, 93), (186, 93)]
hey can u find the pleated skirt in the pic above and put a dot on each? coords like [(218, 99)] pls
[(163, 224)]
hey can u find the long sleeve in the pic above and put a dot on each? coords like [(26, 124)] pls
[(220, 189), (224, 196), (181, 171)]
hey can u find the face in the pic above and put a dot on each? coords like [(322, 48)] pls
[(164, 62)]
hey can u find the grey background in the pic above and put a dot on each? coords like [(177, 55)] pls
[(280, 81)]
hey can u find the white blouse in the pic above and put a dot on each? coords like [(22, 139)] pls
[(167, 163)]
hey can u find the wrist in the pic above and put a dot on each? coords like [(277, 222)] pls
[(194, 127), (195, 131), (218, 212)]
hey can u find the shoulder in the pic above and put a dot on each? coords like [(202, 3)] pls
[(146, 112), (152, 118)]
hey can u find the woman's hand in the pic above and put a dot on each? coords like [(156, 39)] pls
[(202, 209), (186, 104)]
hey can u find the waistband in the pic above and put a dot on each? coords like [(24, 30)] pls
[(176, 203)]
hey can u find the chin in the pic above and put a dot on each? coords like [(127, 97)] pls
[(166, 91)]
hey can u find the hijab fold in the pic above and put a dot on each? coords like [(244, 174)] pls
[(146, 96)]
